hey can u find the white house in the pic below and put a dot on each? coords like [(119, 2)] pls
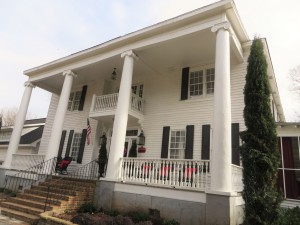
[(29, 144), (181, 82)]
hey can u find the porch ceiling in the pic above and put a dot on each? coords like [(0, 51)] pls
[(195, 49)]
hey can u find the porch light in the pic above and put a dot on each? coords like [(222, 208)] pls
[(114, 74), (141, 138), (103, 139)]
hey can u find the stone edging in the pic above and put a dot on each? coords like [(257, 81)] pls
[(48, 216)]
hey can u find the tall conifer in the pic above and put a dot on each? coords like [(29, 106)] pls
[(260, 155)]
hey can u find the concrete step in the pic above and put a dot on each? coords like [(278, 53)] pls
[(30, 219), (22, 208)]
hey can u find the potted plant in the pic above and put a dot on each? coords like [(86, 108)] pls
[(133, 150)]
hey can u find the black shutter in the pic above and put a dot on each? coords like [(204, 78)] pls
[(82, 97), (81, 147), (69, 143), (185, 83), (61, 144), (189, 145), (235, 143), (165, 142), (205, 153)]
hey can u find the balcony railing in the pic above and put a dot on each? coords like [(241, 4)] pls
[(237, 178), (192, 174), (109, 102)]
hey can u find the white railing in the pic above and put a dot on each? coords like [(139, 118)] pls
[(109, 102), (237, 178), (137, 103), (193, 174), (105, 102), (25, 161)]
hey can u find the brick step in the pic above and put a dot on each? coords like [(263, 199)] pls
[(29, 203), (37, 198), (44, 194), (28, 218), (78, 186), (73, 179), (22, 208), (54, 190)]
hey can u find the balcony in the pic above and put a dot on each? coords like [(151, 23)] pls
[(106, 105)]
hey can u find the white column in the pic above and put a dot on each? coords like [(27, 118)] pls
[(121, 117), (19, 123), (61, 110), (221, 138)]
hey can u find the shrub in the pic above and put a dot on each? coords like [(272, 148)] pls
[(87, 208), (290, 216), (170, 222)]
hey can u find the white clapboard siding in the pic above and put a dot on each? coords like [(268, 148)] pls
[(75, 120)]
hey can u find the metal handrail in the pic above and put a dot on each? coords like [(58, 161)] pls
[(26, 178), (88, 172)]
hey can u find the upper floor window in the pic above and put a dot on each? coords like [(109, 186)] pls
[(137, 89), (74, 100), (201, 82)]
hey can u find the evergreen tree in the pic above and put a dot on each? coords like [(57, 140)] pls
[(260, 155), (133, 150), (102, 158)]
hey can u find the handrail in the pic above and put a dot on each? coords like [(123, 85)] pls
[(32, 175), (89, 172)]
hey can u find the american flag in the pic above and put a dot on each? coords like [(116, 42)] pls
[(88, 132)]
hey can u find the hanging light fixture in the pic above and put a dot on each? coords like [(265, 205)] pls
[(114, 74), (141, 138)]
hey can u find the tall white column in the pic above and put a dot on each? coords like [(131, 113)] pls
[(221, 138), (61, 110), (121, 117), (19, 123)]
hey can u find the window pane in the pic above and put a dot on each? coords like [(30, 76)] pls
[(210, 80)]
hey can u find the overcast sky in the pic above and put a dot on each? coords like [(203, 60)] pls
[(34, 32)]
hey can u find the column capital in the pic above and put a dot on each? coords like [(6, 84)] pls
[(129, 53), (223, 25), (29, 84), (70, 73)]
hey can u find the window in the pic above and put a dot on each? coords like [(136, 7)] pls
[(177, 144), (289, 171), (196, 83), (201, 82), (75, 146), (138, 89), (74, 100), (5, 135)]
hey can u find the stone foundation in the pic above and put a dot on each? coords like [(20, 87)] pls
[(186, 206)]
